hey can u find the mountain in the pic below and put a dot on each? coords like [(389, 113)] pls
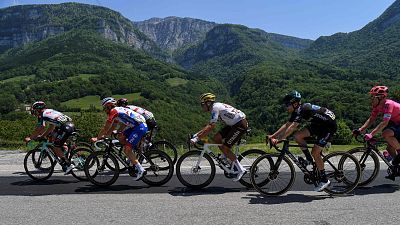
[(375, 47), (24, 24), (228, 49), (172, 33)]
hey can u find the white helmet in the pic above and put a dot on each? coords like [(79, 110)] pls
[(108, 101)]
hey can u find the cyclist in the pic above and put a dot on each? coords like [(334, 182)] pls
[(148, 116), (390, 125), (59, 130), (131, 124), (236, 126), (322, 125)]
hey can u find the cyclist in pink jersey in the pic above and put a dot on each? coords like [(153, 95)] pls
[(133, 126), (390, 125)]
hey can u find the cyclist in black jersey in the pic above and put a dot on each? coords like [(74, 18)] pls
[(322, 125)]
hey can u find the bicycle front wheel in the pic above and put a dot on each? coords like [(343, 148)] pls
[(38, 164), (195, 171), (272, 174), (369, 163), (159, 167), (343, 171), (97, 170), (166, 147), (78, 158), (247, 159)]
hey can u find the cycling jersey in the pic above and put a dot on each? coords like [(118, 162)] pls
[(53, 117), (226, 113), (314, 114), (390, 110), (126, 116), (145, 113)]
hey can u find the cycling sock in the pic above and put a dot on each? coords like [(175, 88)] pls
[(139, 167), (307, 154), (396, 160), (323, 177)]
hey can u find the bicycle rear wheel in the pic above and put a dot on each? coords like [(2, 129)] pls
[(78, 158), (247, 159), (38, 164), (195, 171), (343, 171), (269, 178), (166, 147), (97, 171), (159, 167), (369, 164)]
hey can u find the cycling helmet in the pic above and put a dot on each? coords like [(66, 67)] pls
[(108, 101), (379, 90), (207, 97), (36, 106), (293, 96), (122, 102)]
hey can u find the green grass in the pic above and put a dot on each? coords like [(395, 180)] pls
[(173, 82), (17, 79), (85, 102)]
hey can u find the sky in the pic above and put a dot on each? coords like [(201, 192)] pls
[(299, 18)]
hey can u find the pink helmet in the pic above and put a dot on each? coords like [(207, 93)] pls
[(379, 90)]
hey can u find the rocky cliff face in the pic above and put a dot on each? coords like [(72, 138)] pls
[(20, 25), (172, 33)]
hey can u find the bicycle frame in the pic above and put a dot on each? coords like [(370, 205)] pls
[(372, 148)]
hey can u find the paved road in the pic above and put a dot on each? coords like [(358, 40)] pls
[(63, 200)]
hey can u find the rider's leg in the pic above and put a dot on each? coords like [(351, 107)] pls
[(299, 138), (133, 137), (393, 143)]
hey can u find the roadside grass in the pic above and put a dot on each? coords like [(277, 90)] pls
[(176, 81)]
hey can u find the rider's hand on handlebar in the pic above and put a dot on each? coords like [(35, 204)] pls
[(356, 132), (273, 141), (194, 140), (27, 139), (93, 139)]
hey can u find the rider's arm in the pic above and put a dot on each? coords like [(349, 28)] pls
[(281, 130), (104, 131), (38, 130), (380, 127), (206, 130), (292, 127), (368, 123), (49, 130)]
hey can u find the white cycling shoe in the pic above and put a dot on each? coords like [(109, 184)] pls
[(239, 175), (322, 185)]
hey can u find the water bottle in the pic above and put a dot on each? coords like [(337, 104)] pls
[(387, 156)]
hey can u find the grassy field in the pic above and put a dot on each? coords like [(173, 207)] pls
[(85, 102), (176, 81), (16, 79)]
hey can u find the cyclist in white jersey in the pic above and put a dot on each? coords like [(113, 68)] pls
[(236, 126), (133, 126), (150, 120), (59, 130)]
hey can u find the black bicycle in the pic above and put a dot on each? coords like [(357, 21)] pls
[(274, 174), (102, 168), (368, 156), (39, 162)]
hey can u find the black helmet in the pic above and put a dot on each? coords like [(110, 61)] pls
[(122, 102), (292, 97)]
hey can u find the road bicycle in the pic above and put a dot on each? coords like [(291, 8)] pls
[(39, 162), (368, 156), (274, 174), (196, 168), (102, 168)]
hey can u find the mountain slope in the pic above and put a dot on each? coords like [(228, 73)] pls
[(29, 23), (171, 33), (374, 47)]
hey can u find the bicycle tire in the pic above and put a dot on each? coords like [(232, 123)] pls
[(78, 157), (95, 167), (260, 179), (184, 177), (37, 157), (159, 167), (342, 180), (247, 162), (167, 147), (366, 177)]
